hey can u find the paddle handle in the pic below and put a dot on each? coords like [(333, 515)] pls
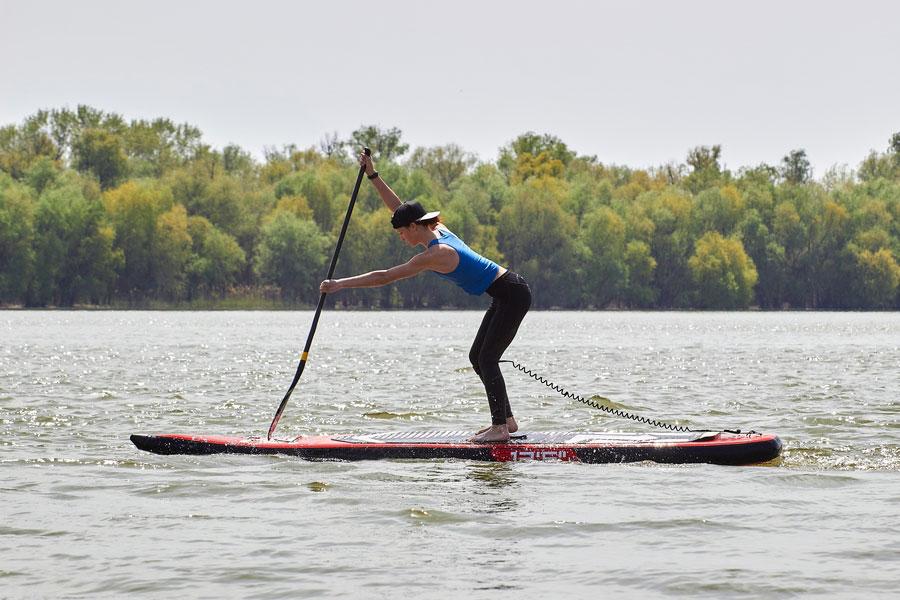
[(315, 322)]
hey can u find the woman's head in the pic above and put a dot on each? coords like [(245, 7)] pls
[(410, 213)]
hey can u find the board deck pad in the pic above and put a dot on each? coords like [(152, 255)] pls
[(714, 447), (534, 437)]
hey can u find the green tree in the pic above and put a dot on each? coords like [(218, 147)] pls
[(385, 143), (332, 146), (216, 259), (555, 151), (529, 166), (639, 265), (705, 158), (768, 257), (718, 209), (706, 170), (134, 209), (538, 240), (791, 236), (158, 146), (813, 231), (882, 165), (408, 184), (757, 187), (222, 201), (16, 239), (75, 259), (100, 152), (587, 192), (43, 173), (606, 273), (462, 217), (795, 167), (723, 272), (325, 194), (171, 253), (234, 202), (894, 144), (484, 191), (831, 261), (292, 254), (875, 166), (444, 164), (879, 277), (671, 245), (237, 161), (21, 146)]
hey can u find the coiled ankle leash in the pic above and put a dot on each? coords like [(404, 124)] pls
[(616, 412)]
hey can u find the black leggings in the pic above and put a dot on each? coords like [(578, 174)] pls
[(512, 299)]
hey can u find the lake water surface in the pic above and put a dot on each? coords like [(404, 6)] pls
[(83, 514)]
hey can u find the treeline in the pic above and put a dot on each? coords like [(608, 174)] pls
[(95, 209)]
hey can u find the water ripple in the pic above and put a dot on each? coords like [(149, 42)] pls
[(74, 385)]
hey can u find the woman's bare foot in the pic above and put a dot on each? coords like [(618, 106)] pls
[(494, 433), (511, 426)]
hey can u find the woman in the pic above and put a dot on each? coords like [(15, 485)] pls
[(447, 255)]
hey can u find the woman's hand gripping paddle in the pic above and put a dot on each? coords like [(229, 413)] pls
[(312, 330)]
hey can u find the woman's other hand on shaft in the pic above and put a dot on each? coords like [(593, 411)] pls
[(329, 286), (367, 163)]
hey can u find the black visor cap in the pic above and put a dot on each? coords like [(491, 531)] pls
[(410, 212)]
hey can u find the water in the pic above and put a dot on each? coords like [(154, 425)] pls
[(85, 515)]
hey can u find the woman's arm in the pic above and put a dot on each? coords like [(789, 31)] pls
[(440, 259), (371, 279), (366, 280), (390, 199)]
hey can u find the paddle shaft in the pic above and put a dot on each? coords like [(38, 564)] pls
[(315, 323)]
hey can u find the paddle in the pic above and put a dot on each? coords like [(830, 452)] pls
[(312, 330)]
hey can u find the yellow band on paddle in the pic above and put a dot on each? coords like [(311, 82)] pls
[(304, 356)]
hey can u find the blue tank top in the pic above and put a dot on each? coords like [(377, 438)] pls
[(474, 273)]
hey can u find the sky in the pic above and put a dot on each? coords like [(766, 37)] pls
[(634, 83)]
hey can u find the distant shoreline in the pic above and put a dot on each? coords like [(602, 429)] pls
[(157, 307), (97, 209)]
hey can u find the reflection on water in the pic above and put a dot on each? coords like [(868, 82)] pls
[(492, 475)]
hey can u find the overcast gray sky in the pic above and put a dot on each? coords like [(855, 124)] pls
[(634, 83)]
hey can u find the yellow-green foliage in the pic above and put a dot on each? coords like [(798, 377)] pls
[(98, 209)]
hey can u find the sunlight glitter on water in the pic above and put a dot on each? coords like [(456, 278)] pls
[(87, 515)]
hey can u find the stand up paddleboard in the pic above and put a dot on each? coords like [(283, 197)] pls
[(721, 448)]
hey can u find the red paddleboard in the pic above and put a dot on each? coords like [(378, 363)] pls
[(723, 448)]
